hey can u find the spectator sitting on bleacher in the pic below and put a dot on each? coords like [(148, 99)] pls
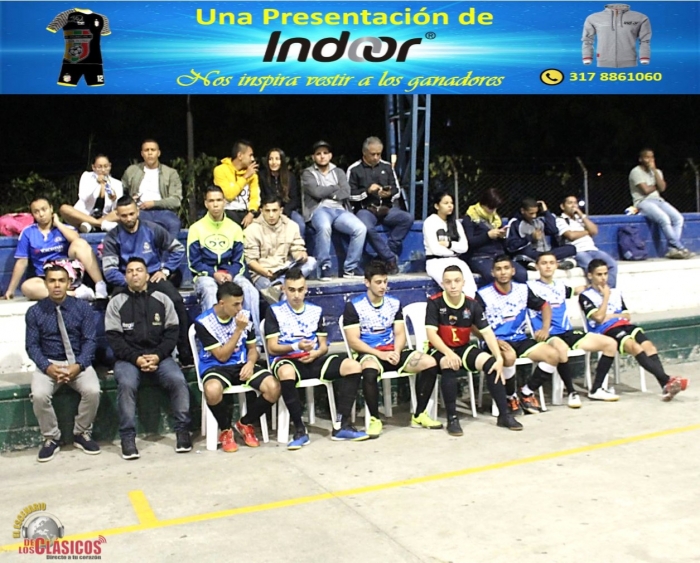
[(575, 226), (374, 326), (532, 231), (151, 242), (273, 244), (486, 237), (326, 193), (606, 313), (444, 240), (142, 329), (646, 184), (98, 193), (215, 255), (49, 240), (237, 177), (61, 339), (276, 179), (156, 187), (449, 319), (227, 357)]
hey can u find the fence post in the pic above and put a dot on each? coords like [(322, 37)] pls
[(585, 182), (697, 184)]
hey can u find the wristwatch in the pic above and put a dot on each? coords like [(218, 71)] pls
[(166, 272)]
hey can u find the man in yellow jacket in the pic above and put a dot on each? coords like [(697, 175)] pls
[(237, 176)]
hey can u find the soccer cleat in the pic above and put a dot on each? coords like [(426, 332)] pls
[(228, 442), (129, 450), (508, 421), (424, 421), (85, 442), (375, 427), (453, 427), (601, 394), (183, 443), (349, 434), (247, 432), (674, 386), (48, 451), (574, 401), (530, 403), (514, 407), (301, 438)]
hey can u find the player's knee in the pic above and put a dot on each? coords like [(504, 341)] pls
[(213, 392), (270, 388), (370, 363), (551, 356), (285, 373), (508, 358), (350, 367), (649, 348)]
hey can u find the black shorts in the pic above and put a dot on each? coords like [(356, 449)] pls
[(230, 376), (571, 338), (623, 333), (469, 353), (325, 368), (400, 367), (522, 347), (71, 73)]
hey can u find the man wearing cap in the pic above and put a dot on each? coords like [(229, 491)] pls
[(326, 196)]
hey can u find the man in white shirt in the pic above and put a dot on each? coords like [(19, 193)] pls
[(575, 227), (646, 184)]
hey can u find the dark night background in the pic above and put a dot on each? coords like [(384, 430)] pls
[(55, 135)]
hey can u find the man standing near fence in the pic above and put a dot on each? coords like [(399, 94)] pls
[(646, 184)]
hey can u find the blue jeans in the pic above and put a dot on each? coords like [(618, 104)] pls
[(667, 217), (169, 377), (397, 222), (308, 269), (324, 220), (299, 220), (584, 258), (206, 289), (163, 217)]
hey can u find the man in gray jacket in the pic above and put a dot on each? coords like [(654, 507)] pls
[(156, 188), (326, 194)]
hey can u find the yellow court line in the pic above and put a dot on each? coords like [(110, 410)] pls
[(148, 520), (143, 510)]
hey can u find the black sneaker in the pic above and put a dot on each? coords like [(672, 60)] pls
[(184, 442), (85, 442), (326, 273), (129, 450), (508, 421), (392, 267), (186, 360), (453, 427), (49, 450)]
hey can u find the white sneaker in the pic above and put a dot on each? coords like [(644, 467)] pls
[(84, 292), (85, 227), (101, 290), (108, 225), (574, 401), (603, 395)]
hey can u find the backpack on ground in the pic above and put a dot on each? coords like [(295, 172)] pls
[(630, 244)]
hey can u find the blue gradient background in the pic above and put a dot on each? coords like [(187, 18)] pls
[(152, 43)]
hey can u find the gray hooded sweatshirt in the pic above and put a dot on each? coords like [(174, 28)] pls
[(618, 29)]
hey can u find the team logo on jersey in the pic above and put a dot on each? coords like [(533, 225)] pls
[(466, 314), (66, 78), (76, 18), (216, 242), (97, 23), (452, 319), (77, 45), (146, 247), (156, 320), (443, 310)]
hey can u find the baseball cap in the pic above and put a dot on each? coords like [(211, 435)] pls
[(319, 144)]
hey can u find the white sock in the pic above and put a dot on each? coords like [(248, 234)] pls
[(101, 290), (526, 391)]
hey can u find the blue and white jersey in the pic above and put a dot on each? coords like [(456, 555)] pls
[(39, 249), (212, 332), (591, 301), (292, 326), (556, 294), (376, 322), (505, 312)]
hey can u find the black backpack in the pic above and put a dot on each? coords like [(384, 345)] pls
[(630, 244)]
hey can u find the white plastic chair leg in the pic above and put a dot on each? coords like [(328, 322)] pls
[(642, 380), (282, 422), (205, 408), (557, 389), (311, 405), (589, 382), (472, 397), (414, 397), (386, 388), (331, 404), (433, 402), (543, 405)]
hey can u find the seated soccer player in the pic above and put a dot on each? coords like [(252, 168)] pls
[(297, 343), (607, 314), (228, 357), (563, 336), (506, 303), (449, 318), (375, 332)]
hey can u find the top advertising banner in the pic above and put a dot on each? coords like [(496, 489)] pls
[(350, 48)]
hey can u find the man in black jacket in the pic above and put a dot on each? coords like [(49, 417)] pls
[(142, 329)]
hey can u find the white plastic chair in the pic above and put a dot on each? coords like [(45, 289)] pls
[(386, 378), (415, 312), (210, 428), (642, 372), (308, 384)]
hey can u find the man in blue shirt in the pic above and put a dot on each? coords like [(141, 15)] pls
[(227, 357), (56, 365)]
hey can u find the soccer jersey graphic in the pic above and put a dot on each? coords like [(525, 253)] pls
[(82, 30)]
